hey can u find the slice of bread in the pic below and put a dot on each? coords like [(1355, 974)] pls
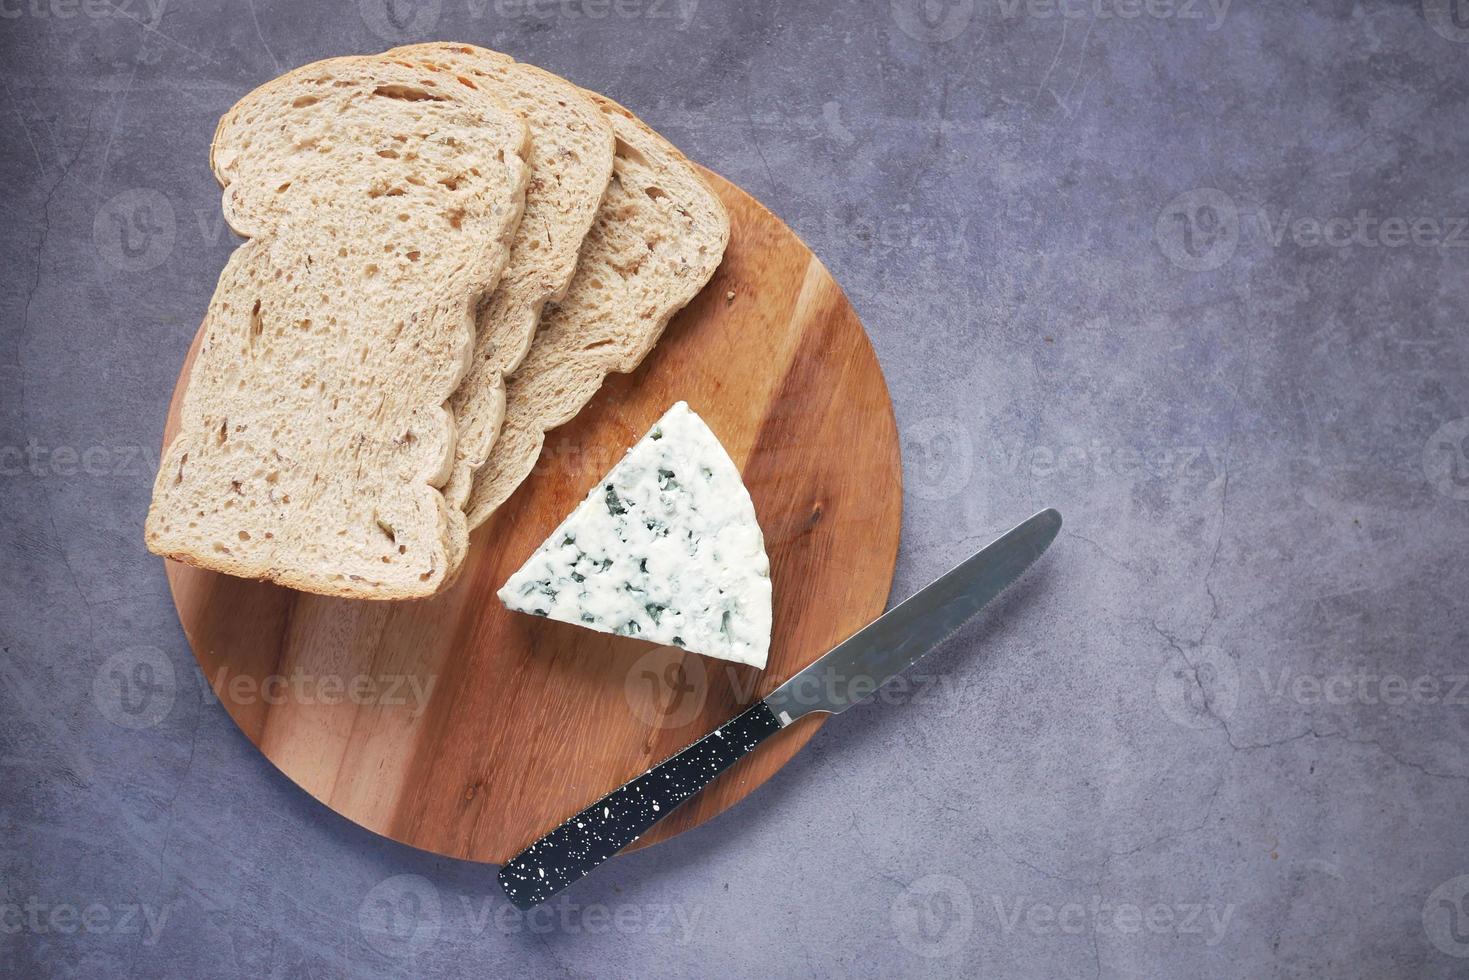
[(379, 198), (657, 238), (571, 163)]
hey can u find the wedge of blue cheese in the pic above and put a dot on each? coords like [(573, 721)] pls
[(665, 548)]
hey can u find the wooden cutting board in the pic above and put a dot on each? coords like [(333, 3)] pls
[(456, 726)]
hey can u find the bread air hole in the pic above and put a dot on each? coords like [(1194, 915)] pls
[(626, 151), (655, 192), (407, 93)]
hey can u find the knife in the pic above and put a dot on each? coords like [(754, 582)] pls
[(850, 672)]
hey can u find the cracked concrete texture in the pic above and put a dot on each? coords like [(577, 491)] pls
[(1199, 282)]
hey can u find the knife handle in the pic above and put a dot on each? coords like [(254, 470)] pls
[(572, 850)]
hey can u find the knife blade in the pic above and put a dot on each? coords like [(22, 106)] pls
[(855, 668), (850, 672)]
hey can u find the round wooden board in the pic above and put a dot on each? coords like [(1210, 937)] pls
[(456, 726)]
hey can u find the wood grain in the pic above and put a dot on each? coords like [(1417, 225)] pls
[(453, 725)]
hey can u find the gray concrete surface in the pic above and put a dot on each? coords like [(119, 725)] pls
[(1193, 273)]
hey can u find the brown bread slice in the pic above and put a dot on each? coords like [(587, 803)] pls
[(571, 163), (379, 198), (656, 240)]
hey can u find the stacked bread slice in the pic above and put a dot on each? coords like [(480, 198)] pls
[(447, 251)]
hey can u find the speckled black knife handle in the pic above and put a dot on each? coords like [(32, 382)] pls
[(569, 852)]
